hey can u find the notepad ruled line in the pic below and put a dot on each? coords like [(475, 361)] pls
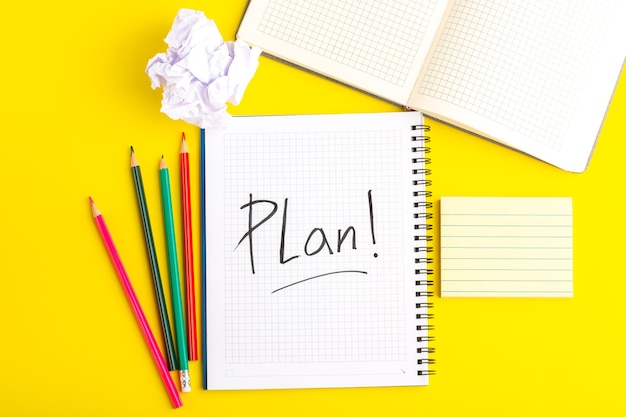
[(499, 247), (513, 214), (503, 269), (504, 225), (505, 237), (565, 293), (510, 280), (510, 259)]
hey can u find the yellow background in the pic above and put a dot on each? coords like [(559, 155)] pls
[(75, 97)]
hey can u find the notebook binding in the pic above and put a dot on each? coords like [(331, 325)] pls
[(423, 248)]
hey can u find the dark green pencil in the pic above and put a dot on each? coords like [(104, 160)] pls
[(154, 265)]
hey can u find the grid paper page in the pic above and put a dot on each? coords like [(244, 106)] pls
[(506, 247), (317, 256), (379, 38), (493, 59)]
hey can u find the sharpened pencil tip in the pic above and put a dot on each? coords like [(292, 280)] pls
[(134, 162), (94, 210), (183, 145)]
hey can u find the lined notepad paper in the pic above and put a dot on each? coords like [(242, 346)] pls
[(506, 247)]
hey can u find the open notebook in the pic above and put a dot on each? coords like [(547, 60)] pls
[(317, 252), (534, 75)]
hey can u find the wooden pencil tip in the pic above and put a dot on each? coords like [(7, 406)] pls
[(94, 210), (162, 165), (183, 145), (134, 162)]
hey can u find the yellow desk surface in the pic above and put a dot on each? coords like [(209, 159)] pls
[(75, 97)]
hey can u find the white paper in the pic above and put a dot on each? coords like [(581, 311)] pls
[(199, 72)]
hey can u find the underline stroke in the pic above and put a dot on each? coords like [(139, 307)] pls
[(319, 276)]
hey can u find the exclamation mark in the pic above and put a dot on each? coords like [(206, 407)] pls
[(369, 199)]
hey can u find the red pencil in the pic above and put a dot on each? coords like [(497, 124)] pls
[(136, 307), (192, 339)]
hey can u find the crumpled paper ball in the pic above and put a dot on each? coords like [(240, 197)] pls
[(199, 72)]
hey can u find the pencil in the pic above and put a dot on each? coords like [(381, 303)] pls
[(154, 264), (148, 336), (172, 258), (192, 341)]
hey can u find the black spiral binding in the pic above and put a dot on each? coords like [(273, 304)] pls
[(423, 248)]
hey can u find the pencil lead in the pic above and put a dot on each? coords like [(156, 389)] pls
[(183, 135), (131, 149), (90, 200)]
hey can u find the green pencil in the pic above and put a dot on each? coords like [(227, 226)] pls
[(154, 264), (172, 260)]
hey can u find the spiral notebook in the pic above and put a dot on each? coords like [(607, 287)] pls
[(317, 252), (534, 75)]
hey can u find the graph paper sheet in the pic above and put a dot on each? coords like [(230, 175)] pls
[(535, 75), (311, 269), (377, 46)]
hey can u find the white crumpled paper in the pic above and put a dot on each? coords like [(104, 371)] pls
[(200, 72)]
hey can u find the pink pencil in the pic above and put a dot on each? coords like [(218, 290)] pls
[(136, 307), (192, 338)]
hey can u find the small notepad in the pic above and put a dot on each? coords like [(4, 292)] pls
[(506, 247)]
